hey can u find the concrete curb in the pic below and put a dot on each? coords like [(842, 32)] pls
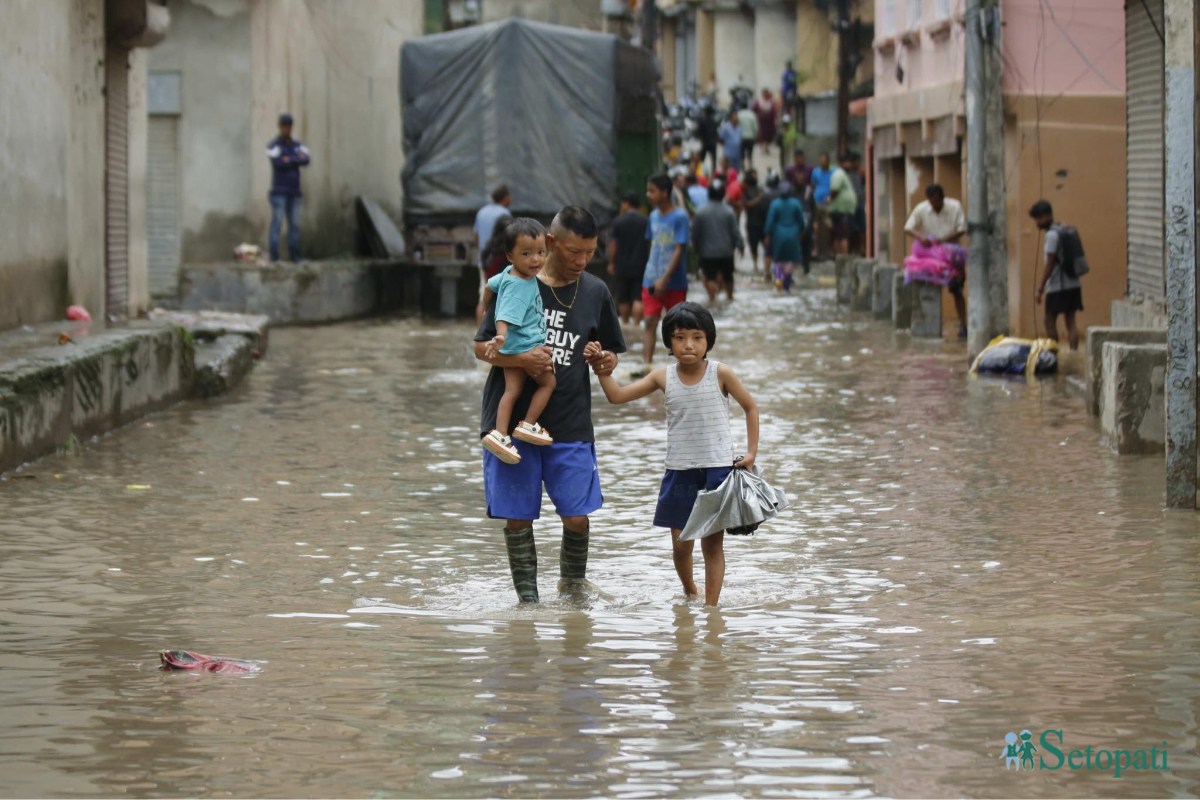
[(94, 383)]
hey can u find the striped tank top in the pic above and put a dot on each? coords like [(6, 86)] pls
[(698, 433)]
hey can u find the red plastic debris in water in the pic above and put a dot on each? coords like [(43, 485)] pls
[(196, 662), (78, 313)]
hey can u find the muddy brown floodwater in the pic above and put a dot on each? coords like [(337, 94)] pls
[(963, 559)]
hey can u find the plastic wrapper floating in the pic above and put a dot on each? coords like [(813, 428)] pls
[(186, 660), (739, 505)]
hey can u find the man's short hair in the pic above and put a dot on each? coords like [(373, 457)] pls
[(500, 192), (691, 179), (576, 220), (934, 189), (1041, 209), (689, 316), (632, 198), (663, 183), (522, 226), (799, 152), (716, 190)]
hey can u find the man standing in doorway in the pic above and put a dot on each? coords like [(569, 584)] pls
[(485, 223), (1063, 292), (287, 156), (940, 220), (578, 307), (627, 253)]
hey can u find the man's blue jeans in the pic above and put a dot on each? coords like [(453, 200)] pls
[(282, 204)]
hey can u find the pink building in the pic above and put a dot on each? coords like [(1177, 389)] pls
[(1064, 137)]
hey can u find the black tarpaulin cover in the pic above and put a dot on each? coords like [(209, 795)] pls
[(516, 102)]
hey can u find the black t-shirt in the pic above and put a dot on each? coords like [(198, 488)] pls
[(633, 249), (756, 215), (592, 315)]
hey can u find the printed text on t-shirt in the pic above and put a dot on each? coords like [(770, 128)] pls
[(562, 342)]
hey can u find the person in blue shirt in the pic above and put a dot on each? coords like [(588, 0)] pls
[(520, 327), (665, 282), (821, 178), (731, 141), (287, 156), (787, 87)]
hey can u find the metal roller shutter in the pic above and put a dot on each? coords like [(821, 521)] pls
[(162, 205), (1144, 151), (116, 182)]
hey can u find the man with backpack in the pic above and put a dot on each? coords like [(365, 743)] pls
[(1065, 263)]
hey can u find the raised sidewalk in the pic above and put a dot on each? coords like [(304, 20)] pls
[(64, 380)]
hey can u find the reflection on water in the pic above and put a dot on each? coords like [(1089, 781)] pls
[(962, 558)]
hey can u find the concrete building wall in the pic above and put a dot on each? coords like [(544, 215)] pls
[(816, 50), (85, 155), (335, 67), (1064, 47), (139, 128), (733, 42), (209, 45), (774, 45), (1082, 159), (33, 146), (666, 58), (706, 57), (573, 13)]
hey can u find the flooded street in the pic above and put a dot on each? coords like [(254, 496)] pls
[(962, 559)]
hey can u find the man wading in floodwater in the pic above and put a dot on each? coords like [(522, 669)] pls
[(578, 308)]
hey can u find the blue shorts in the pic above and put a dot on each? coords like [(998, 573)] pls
[(679, 490), (568, 470)]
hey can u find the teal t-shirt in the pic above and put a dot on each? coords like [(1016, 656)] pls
[(519, 303)]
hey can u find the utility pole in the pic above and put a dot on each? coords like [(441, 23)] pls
[(997, 251), (979, 227), (987, 252), (650, 25), (843, 73), (1179, 202)]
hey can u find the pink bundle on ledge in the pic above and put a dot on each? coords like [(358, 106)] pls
[(940, 263)]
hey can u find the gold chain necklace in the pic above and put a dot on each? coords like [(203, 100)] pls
[(574, 297)]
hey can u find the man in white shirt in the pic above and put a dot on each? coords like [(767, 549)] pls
[(940, 220)]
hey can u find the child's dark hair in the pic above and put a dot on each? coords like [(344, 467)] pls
[(522, 226), (495, 245), (689, 317)]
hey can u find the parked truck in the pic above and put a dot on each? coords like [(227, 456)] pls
[(562, 116)]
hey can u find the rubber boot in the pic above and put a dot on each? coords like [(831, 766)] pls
[(572, 559), (522, 562)]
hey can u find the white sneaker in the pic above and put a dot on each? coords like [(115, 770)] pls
[(501, 447), (532, 433)]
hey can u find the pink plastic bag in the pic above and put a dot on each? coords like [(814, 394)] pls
[(78, 313)]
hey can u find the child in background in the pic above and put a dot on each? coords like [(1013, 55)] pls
[(520, 327), (495, 255), (700, 448)]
